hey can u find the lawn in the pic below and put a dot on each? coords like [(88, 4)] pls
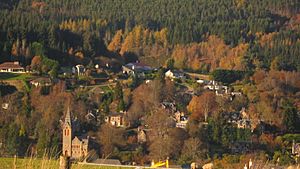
[(15, 76), (27, 163), (34, 163)]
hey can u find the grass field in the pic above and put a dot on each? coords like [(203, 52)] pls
[(28, 163), (15, 76), (34, 163)]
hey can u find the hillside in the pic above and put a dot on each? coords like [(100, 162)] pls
[(192, 81)]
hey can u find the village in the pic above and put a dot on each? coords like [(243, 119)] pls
[(102, 80)]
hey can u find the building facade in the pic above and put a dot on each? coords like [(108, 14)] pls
[(75, 147), (11, 67), (116, 119)]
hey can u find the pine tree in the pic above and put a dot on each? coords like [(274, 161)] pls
[(290, 119)]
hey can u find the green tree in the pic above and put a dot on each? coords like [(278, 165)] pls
[(290, 119), (121, 105), (37, 49), (118, 92), (12, 139), (170, 64)]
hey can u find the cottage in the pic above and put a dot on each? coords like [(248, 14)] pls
[(75, 147), (116, 119), (181, 119), (136, 68), (175, 74), (11, 67), (240, 119)]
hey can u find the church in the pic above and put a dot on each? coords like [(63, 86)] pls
[(75, 147)]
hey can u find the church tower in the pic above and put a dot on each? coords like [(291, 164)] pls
[(67, 135)]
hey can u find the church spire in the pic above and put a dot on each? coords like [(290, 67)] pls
[(68, 116)]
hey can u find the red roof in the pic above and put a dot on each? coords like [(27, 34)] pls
[(10, 65)]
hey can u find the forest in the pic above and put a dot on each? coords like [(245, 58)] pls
[(250, 43)]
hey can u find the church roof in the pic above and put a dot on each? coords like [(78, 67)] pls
[(68, 117), (81, 139)]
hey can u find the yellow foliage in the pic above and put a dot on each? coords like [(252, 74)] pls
[(140, 37), (81, 25), (234, 57), (267, 39), (240, 3), (213, 52), (116, 42), (161, 37)]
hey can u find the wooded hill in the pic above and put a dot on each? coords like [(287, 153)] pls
[(64, 27)]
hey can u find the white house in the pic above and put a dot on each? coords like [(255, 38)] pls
[(11, 67), (80, 70), (116, 119), (136, 68), (174, 74)]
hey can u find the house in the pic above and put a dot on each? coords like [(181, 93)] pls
[(116, 119), (296, 149), (75, 147), (80, 70), (202, 81), (175, 74), (11, 67), (240, 119), (181, 119), (90, 116), (182, 124), (42, 81), (141, 136), (244, 124), (5, 106), (136, 69)]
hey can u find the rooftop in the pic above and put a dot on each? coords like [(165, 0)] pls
[(10, 65)]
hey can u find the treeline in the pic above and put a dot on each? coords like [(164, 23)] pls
[(189, 30)]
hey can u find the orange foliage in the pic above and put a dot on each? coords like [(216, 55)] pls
[(233, 60), (203, 105), (139, 38), (266, 39), (213, 52), (115, 44)]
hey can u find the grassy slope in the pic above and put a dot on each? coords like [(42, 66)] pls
[(9, 163), (14, 76)]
